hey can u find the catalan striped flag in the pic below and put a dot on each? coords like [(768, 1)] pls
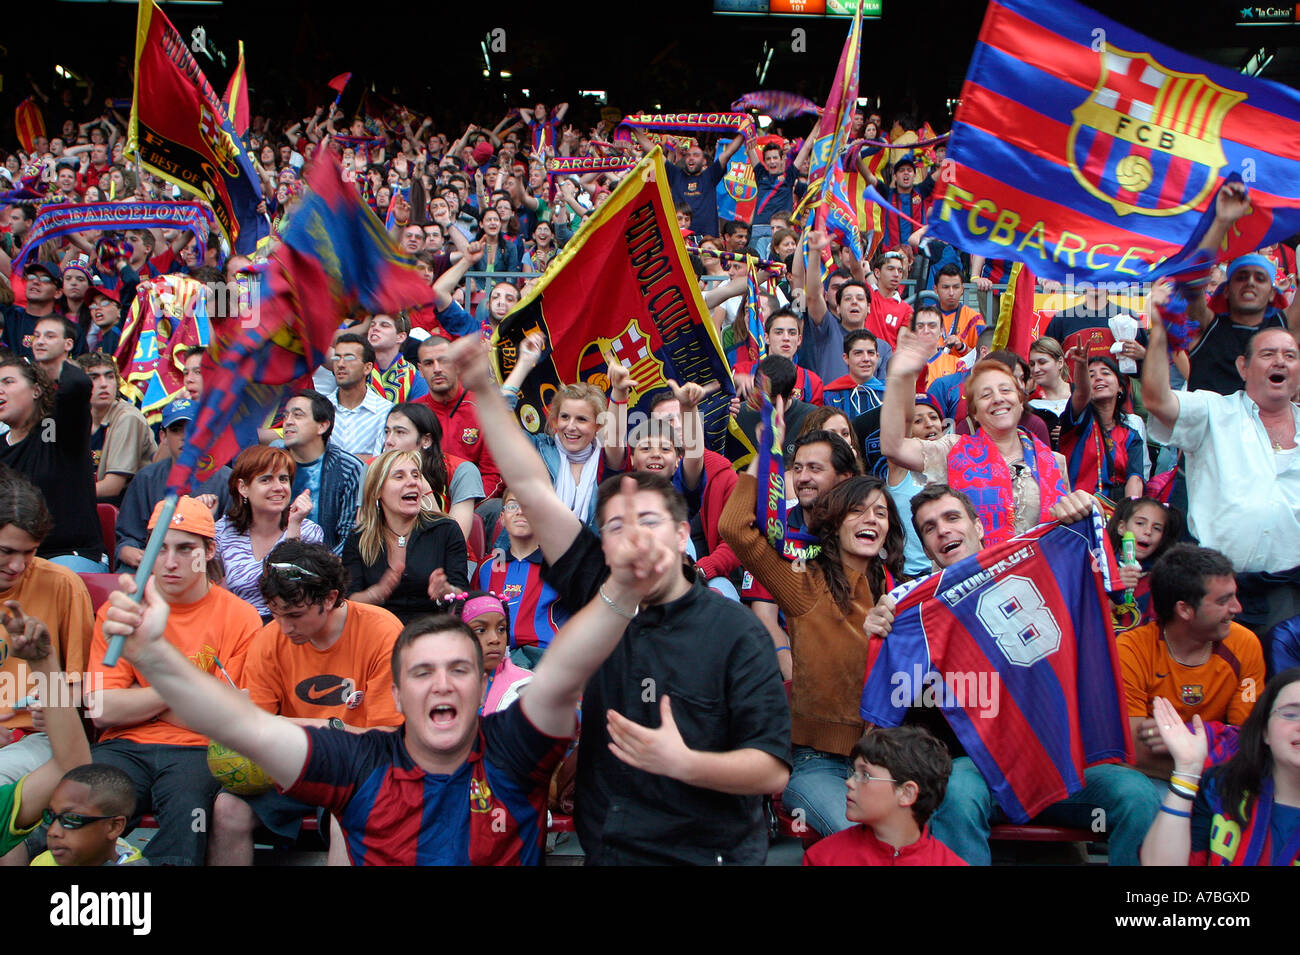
[(28, 123), (333, 255), (236, 98)]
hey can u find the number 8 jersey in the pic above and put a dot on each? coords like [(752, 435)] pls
[(1015, 645)]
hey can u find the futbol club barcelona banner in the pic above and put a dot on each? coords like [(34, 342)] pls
[(1083, 148), (179, 130), (623, 286)]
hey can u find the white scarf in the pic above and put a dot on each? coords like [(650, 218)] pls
[(577, 496)]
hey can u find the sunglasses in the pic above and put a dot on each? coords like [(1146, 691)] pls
[(70, 820), (294, 572)]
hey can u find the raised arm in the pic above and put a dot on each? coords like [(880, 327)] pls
[(1157, 395), (206, 705), (909, 358), (522, 469), (1080, 384), (445, 287), (814, 291), (30, 640), (1169, 840), (637, 561)]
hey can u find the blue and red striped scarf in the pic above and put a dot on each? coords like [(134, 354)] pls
[(976, 468), (1228, 840)]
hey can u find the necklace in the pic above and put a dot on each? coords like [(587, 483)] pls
[(1174, 657)]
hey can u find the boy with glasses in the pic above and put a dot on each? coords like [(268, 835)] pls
[(899, 779)]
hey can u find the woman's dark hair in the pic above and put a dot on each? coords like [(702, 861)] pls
[(1121, 379), (1242, 775), (434, 463), (22, 505), (816, 421), (1126, 508), (36, 377), (316, 572), (830, 511)]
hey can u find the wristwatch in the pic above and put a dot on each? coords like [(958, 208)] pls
[(335, 723)]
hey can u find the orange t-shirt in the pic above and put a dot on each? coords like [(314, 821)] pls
[(57, 597), (1223, 688), (218, 625), (302, 682)]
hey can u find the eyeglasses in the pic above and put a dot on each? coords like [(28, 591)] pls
[(892, 255), (294, 572), (1290, 713), (70, 820), (344, 359), (509, 507), (649, 521), (861, 776)]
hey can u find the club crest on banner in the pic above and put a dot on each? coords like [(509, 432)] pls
[(1147, 139), (631, 349)]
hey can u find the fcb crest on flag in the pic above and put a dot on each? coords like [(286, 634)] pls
[(1147, 140)]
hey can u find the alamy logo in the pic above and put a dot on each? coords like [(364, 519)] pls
[(77, 908)]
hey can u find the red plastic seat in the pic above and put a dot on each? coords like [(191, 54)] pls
[(100, 586), (1034, 833), (108, 530), (477, 540)]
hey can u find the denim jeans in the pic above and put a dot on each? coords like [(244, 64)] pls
[(817, 789), (725, 587), (79, 564), (1128, 801)]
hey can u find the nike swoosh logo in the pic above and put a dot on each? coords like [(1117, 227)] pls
[(314, 694), (1161, 676)]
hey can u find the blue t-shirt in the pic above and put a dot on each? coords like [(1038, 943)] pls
[(307, 478)]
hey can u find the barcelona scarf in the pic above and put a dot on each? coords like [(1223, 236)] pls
[(576, 165), (788, 542), (65, 218), (741, 123), (776, 104), (977, 469), (1086, 150)]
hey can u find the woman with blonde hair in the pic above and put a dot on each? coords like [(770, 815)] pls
[(402, 554)]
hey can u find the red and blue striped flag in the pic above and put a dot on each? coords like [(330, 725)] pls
[(334, 254), (1088, 151)]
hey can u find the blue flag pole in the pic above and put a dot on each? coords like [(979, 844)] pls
[(145, 571)]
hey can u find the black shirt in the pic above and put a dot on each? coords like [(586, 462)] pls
[(1214, 356), (55, 456), (439, 544), (716, 663)]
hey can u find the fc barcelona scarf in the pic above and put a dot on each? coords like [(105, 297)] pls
[(572, 165), (1227, 839), (976, 468), (66, 217), (741, 123), (789, 543)]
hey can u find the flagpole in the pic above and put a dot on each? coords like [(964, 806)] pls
[(145, 571)]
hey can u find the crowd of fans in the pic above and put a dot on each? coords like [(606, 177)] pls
[(399, 555)]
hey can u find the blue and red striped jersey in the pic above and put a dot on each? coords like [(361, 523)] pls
[(491, 811), (536, 614), (1015, 646)]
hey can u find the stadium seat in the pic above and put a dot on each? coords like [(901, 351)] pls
[(108, 529), (1033, 833), (100, 586)]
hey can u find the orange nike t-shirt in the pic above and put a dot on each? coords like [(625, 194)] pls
[(57, 597), (352, 680), (219, 626), (1223, 688)]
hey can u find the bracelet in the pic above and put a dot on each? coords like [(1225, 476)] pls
[(615, 607), (786, 648), (1187, 775), (615, 403), (1176, 812), (1182, 793)]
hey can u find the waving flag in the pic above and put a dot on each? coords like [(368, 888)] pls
[(28, 123), (236, 98), (622, 286), (334, 254), (179, 130), (168, 317), (738, 189), (832, 209), (1086, 150)]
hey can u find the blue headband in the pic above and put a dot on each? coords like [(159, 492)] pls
[(1254, 259)]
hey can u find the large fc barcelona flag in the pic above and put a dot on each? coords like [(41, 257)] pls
[(1083, 148), (180, 131), (623, 286)]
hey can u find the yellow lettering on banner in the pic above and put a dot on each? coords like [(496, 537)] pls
[(1062, 250), (1034, 239), (953, 198), (1004, 229), (1133, 253), (973, 219), (1091, 262)]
